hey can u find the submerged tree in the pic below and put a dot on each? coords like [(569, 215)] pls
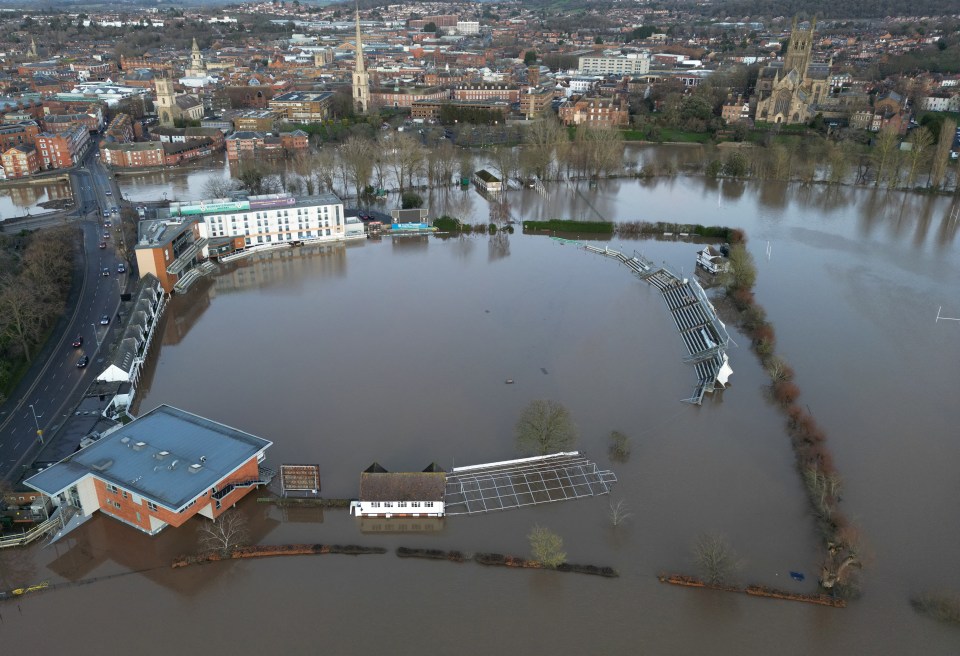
[(546, 547), (545, 426), (225, 533), (715, 559), (619, 446), (619, 512)]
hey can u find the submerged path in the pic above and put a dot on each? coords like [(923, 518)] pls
[(704, 335)]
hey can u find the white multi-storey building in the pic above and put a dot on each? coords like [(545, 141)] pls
[(228, 225), (638, 64)]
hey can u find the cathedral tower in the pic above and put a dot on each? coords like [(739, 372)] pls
[(798, 51)]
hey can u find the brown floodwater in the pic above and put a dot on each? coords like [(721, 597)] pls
[(397, 352)]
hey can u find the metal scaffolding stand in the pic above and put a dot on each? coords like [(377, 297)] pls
[(524, 482)]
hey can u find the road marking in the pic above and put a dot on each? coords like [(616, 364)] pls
[(16, 446)]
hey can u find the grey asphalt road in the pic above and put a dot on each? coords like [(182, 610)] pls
[(43, 404)]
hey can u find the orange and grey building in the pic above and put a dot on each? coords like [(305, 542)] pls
[(159, 470)]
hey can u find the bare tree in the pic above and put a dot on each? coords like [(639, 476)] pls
[(619, 512), (941, 156), (543, 139), (356, 156), (920, 141), (225, 533), (715, 559), (405, 158), (219, 187), (884, 150), (324, 167), (546, 546), (545, 426), (22, 315)]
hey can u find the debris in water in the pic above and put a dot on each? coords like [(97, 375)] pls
[(545, 372), (509, 381), (797, 576)]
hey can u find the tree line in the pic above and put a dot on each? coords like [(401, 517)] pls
[(365, 163), (35, 278)]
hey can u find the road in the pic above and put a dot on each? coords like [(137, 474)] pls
[(41, 405)]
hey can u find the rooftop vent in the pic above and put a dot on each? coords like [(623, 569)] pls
[(124, 440), (103, 465), (161, 455), (139, 446), (194, 468)]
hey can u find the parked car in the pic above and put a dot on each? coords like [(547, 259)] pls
[(78, 342), (106, 212), (121, 268), (105, 320), (105, 273), (82, 362)]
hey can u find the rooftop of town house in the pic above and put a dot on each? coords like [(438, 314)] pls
[(303, 96), (167, 456), (403, 486), (156, 233)]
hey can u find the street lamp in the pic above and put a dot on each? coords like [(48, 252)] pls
[(96, 335), (36, 421)]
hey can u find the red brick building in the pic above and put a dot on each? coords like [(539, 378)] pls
[(20, 162), (64, 149), (159, 470), (23, 133), (595, 112), (506, 92)]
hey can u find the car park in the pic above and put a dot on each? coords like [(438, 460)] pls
[(82, 362), (78, 342), (105, 320)]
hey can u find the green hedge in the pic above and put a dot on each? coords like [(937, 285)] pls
[(561, 225)]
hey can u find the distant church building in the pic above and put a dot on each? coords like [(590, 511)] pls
[(198, 68), (171, 107), (790, 91)]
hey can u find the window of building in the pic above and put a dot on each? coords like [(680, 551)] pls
[(328, 232), (428, 504), (151, 506), (388, 504), (375, 504), (112, 488), (124, 493)]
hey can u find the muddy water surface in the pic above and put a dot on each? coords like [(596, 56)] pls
[(397, 352)]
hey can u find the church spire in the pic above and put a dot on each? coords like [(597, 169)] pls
[(359, 64), (361, 79)]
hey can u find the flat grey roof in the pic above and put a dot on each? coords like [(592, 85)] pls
[(153, 456)]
